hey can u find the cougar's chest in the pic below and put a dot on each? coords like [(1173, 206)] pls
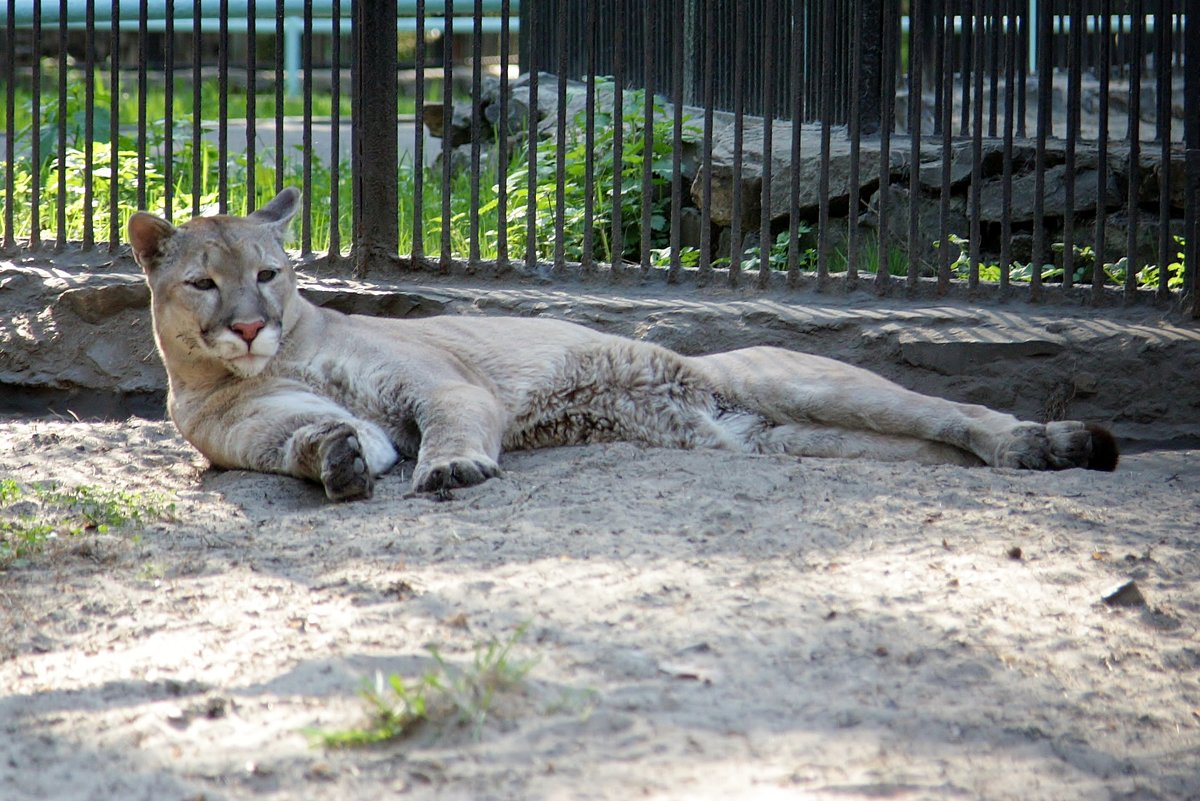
[(368, 389)]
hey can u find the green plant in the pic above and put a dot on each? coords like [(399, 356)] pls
[(1085, 264), (777, 256), (604, 169), (465, 695), (32, 515)]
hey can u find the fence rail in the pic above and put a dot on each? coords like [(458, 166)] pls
[(938, 144)]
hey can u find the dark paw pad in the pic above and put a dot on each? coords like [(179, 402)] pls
[(344, 470)]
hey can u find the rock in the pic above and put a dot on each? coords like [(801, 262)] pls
[(95, 304), (1124, 594), (992, 206), (806, 172), (459, 129), (690, 227), (929, 229), (1085, 385), (961, 164), (1116, 236), (960, 355)]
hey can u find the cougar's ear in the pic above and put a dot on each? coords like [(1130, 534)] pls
[(279, 211), (147, 236)]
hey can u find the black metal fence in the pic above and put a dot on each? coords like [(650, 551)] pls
[(987, 144)]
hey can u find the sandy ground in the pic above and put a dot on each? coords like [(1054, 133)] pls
[(703, 625)]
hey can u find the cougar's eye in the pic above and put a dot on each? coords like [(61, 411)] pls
[(203, 284), (266, 275)]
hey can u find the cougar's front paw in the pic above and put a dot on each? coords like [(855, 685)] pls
[(1058, 446), (344, 470), (444, 474)]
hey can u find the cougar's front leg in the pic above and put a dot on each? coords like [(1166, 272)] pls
[(299, 434), (461, 429)]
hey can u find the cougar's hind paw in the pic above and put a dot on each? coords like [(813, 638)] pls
[(1059, 446), (452, 473), (1105, 453)]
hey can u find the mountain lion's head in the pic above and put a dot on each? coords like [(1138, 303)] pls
[(221, 286)]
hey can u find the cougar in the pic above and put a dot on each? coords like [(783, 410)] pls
[(262, 379)]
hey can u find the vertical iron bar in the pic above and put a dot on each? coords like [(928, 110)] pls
[(279, 86), (1135, 154), (647, 189), (1006, 179), (617, 234), (306, 226), (977, 64), (739, 124), (1191, 124), (223, 110), (560, 140), (89, 125), (828, 20), (168, 111), (1022, 65), (335, 133), (447, 118), (916, 86), (768, 114), (871, 48), (994, 66), (35, 143), (796, 86), (114, 133), (967, 67), (1074, 92), (589, 145), (1162, 60), (376, 201), (1105, 71), (705, 267), (945, 124), (887, 91), (502, 142), (676, 138), (10, 107), (529, 27), (418, 162), (854, 200), (476, 100), (941, 61), (252, 104), (197, 143), (61, 203), (1045, 86)]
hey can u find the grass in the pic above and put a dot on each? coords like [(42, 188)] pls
[(183, 98), (33, 515), (463, 696)]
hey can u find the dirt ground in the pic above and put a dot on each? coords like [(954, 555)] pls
[(702, 626)]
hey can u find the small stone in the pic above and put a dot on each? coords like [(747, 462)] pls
[(1124, 594), (1014, 552)]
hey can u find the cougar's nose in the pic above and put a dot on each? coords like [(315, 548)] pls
[(247, 331)]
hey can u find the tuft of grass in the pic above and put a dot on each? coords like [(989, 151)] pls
[(35, 514), (465, 696)]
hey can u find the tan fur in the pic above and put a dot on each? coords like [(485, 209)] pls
[(262, 379)]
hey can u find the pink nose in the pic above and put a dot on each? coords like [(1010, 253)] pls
[(248, 331)]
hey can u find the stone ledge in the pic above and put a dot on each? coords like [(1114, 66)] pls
[(81, 341)]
